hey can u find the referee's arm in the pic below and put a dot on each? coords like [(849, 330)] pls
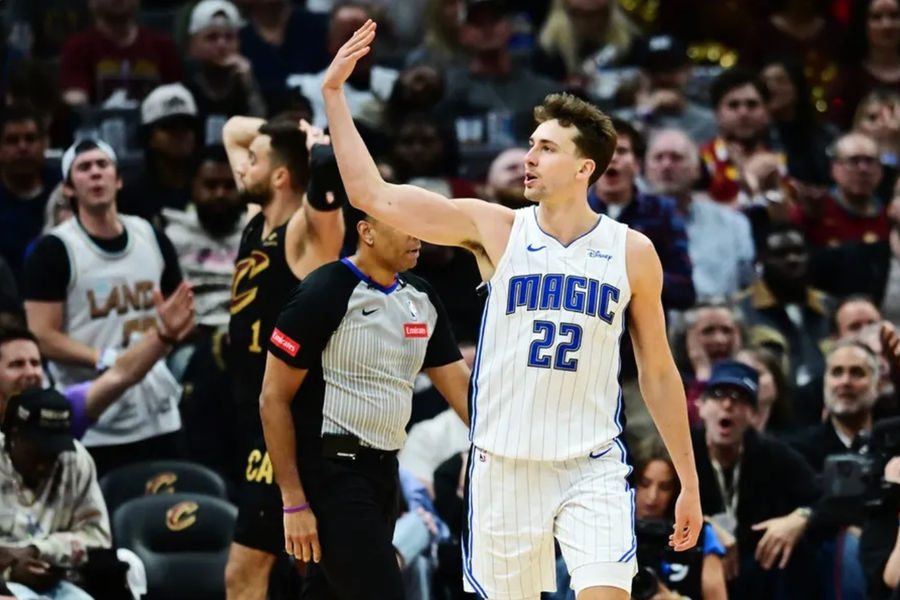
[(295, 345), (280, 384), (452, 381)]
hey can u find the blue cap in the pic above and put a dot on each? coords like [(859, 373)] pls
[(732, 372)]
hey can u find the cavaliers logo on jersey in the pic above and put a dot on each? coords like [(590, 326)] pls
[(181, 516), (247, 268)]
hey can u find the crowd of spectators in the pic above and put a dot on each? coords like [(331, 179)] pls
[(758, 149)]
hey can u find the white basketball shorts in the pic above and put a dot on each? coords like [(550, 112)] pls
[(517, 507)]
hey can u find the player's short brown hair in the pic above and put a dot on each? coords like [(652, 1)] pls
[(596, 137)]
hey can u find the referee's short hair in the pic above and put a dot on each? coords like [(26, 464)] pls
[(288, 150)]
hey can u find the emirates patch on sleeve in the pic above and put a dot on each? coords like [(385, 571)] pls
[(415, 330), (284, 342)]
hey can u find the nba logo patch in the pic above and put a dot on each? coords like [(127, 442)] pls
[(413, 314)]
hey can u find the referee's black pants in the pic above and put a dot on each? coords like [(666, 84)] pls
[(355, 503)]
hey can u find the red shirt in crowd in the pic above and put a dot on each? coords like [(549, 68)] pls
[(92, 63), (837, 224)]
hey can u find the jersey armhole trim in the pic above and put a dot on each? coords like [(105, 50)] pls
[(518, 220)]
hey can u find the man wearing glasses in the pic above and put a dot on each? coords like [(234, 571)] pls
[(755, 488), (851, 212)]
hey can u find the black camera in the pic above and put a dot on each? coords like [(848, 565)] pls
[(854, 482), (658, 562)]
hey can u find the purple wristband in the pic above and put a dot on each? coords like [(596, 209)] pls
[(295, 509)]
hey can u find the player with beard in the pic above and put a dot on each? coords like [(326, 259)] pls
[(280, 246)]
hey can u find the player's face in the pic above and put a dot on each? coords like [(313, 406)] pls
[(255, 172), (655, 490), (20, 367), (94, 180), (726, 412), (850, 383), (552, 165)]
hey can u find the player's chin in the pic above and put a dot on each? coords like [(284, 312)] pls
[(533, 194)]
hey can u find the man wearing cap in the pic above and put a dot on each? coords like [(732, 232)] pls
[(218, 75), (51, 508), (664, 104), (169, 129), (755, 488), (88, 287)]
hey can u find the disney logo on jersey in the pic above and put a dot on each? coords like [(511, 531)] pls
[(554, 291), (247, 268), (598, 254)]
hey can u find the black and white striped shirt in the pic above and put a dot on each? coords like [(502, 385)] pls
[(363, 345)]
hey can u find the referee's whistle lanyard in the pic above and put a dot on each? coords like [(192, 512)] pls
[(730, 501)]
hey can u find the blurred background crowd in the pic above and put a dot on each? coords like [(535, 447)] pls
[(758, 149)]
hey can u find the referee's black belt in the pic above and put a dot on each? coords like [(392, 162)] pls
[(350, 447)]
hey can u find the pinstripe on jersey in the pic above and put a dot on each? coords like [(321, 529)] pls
[(545, 384), (370, 365), (363, 344)]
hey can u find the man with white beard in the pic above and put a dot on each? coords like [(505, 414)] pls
[(720, 242), (851, 389)]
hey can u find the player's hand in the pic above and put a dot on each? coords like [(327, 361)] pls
[(688, 521), (301, 536), (780, 537), (345, 60), (314, 135), (176, 312)]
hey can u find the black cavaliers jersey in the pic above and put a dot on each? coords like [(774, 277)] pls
[(262, 282)]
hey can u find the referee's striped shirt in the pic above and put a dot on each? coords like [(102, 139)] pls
[(363, 345)]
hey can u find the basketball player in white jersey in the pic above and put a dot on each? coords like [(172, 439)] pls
[(545, 409)]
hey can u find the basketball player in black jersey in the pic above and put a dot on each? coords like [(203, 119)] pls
[(281, 244)]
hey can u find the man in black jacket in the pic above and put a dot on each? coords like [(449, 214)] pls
[(850, 390), (755, 487)]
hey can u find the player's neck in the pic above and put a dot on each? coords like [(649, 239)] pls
[(566, 220), (280, 209), (372, 268)]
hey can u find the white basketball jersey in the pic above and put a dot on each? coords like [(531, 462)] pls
[(545, 384), (110, 298)]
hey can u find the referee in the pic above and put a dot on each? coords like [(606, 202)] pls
[(345, 351)]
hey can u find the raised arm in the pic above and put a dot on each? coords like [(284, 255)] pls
[(469, 223), (660, 382), (237, 135)]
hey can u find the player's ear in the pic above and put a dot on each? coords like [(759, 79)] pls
[(587, 168)]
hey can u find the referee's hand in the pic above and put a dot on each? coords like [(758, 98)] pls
[(301, 536)]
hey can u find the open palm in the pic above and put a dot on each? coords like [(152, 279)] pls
[(346, 58)]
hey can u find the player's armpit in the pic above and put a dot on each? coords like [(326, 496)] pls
[(313, 238)]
